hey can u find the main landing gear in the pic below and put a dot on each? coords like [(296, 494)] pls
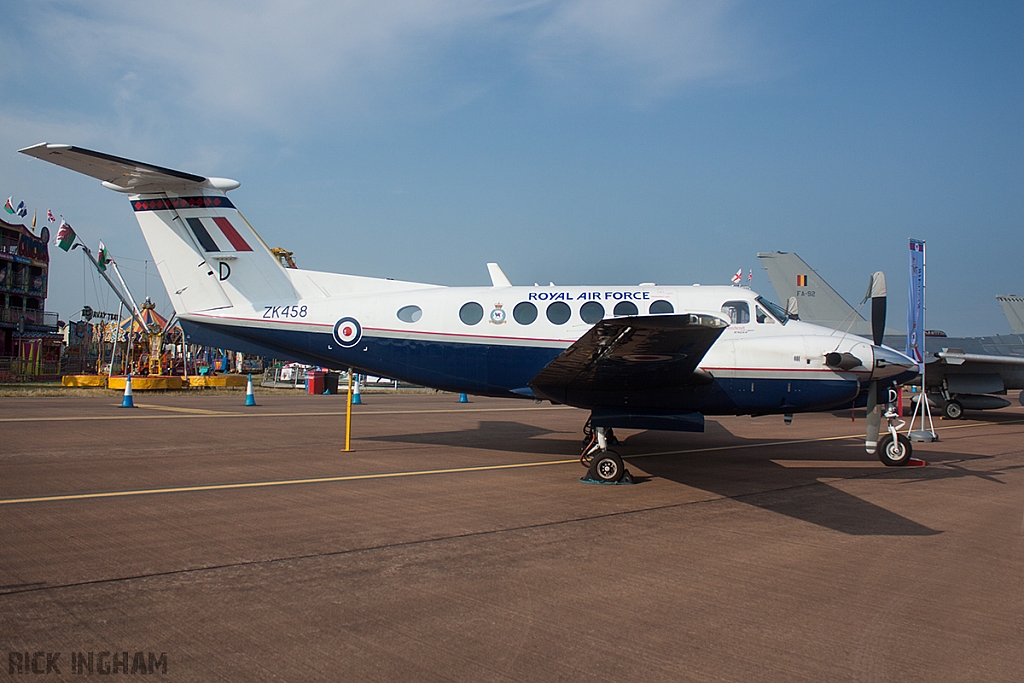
[(604, 466)]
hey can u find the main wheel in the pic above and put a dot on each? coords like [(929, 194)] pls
[(607, 467), (894, 453), (953, 410)]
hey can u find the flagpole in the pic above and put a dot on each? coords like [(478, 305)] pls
[(117, 271), (110, 282), (924, 337), (929, 433), (117, 334)]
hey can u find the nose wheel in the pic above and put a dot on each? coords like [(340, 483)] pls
[(894, 449), (894, 452)]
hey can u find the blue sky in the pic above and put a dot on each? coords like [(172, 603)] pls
[(576, 142)]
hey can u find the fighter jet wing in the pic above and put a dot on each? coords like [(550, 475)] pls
[(123, 175), (631, 354)]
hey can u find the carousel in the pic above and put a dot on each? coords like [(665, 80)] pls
[(147, 344)]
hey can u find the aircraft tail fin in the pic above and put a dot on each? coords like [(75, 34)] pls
[(818, 302), (208, 256), (1013, 309)]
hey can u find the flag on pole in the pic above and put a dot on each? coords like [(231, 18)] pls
[(750, 276), (738, 277), (102, 257), (22, 211), (49, 216), (915, 304), (9, 206), (65, 235)]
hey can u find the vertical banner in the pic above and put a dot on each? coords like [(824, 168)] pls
[(915, 304)]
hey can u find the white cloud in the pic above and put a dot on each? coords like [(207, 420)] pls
[(646, 49), (272, 65)]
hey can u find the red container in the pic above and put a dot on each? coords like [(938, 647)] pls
[(315, 382)]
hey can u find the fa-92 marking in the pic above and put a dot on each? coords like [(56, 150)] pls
[(271, 312)]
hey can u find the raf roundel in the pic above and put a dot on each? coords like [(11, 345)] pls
[(347, 332)]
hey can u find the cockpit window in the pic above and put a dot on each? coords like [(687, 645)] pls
[(737, 311), (774, 310)]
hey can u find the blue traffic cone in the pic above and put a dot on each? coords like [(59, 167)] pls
[(128, 402), (356, 398), (463, 398), (250, 397)]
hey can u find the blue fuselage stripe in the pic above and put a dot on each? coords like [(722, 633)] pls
[(501, 369)]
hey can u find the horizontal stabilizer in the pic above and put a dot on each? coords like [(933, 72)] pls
[(124, 175), (207, 254)]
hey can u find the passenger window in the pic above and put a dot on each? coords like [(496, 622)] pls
[(524, 313), (737, 311), (409, 314), (625, 308), (471, 313), (592, 312), (559, 313), (661, 306)]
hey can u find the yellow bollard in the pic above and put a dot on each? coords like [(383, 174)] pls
[(348, 414)]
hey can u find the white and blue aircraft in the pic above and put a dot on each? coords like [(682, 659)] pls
[(637, 357)]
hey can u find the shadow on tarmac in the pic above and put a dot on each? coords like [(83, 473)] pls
[(744, 474), (493, 435)]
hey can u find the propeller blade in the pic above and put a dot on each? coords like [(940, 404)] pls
[(874, 420), (793, 309), (876, 290)]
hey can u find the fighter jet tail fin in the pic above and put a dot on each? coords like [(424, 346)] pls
[(818, 303), (1013, 309)]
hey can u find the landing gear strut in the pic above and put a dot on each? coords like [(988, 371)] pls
[(894, 449), (604, 466)]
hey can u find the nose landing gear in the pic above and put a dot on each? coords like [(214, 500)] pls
[(895, 449)]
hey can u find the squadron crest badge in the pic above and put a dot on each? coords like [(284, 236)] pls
[(498, 315)]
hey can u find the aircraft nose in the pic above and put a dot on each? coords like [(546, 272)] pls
[(890, 363)]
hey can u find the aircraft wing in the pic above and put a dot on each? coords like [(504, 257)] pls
[(626, 355), (958, 357), (117, 173)]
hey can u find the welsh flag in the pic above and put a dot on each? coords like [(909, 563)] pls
[(65, 236), (102, 257), (9, 206)]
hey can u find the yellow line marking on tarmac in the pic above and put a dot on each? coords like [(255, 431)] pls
[(457, 470), (151, 416), (283, 482)]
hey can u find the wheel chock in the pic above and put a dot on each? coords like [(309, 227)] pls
[(627, 478), (916, 462)]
